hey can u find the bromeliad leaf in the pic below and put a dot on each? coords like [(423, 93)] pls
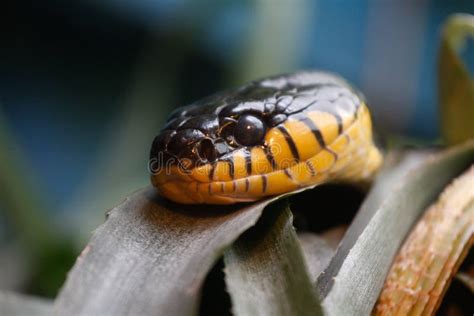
[(353, 280), (151, 256), (317, 253), (455, 85), (397, 165), (432, 253), (265, 269)]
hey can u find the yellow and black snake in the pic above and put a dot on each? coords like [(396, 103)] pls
[(267, 137)]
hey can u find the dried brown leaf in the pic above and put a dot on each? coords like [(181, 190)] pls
[(432, 253)]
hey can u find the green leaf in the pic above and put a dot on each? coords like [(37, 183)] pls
[(265, 269), (151, 256), (455, 85), (353, 280)]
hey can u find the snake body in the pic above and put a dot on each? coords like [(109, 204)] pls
[(265, 138)]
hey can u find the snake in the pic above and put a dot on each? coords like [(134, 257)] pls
[(268, 137)]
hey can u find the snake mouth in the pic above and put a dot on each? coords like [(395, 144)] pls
[(352, 155)]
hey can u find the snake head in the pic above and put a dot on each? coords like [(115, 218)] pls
[(264, 138)]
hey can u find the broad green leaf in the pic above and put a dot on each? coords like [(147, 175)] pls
[(265, 269), (455, 85), (151, 257), (352, 282)]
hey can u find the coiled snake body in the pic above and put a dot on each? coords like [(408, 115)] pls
[(265, 138)]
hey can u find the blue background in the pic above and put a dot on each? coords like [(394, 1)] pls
[(73, 75)]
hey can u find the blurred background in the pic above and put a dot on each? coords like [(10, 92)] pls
[(86, 85)]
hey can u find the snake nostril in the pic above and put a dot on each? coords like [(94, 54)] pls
[(206, 150)]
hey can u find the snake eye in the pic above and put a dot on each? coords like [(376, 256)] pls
[(249, 130)]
